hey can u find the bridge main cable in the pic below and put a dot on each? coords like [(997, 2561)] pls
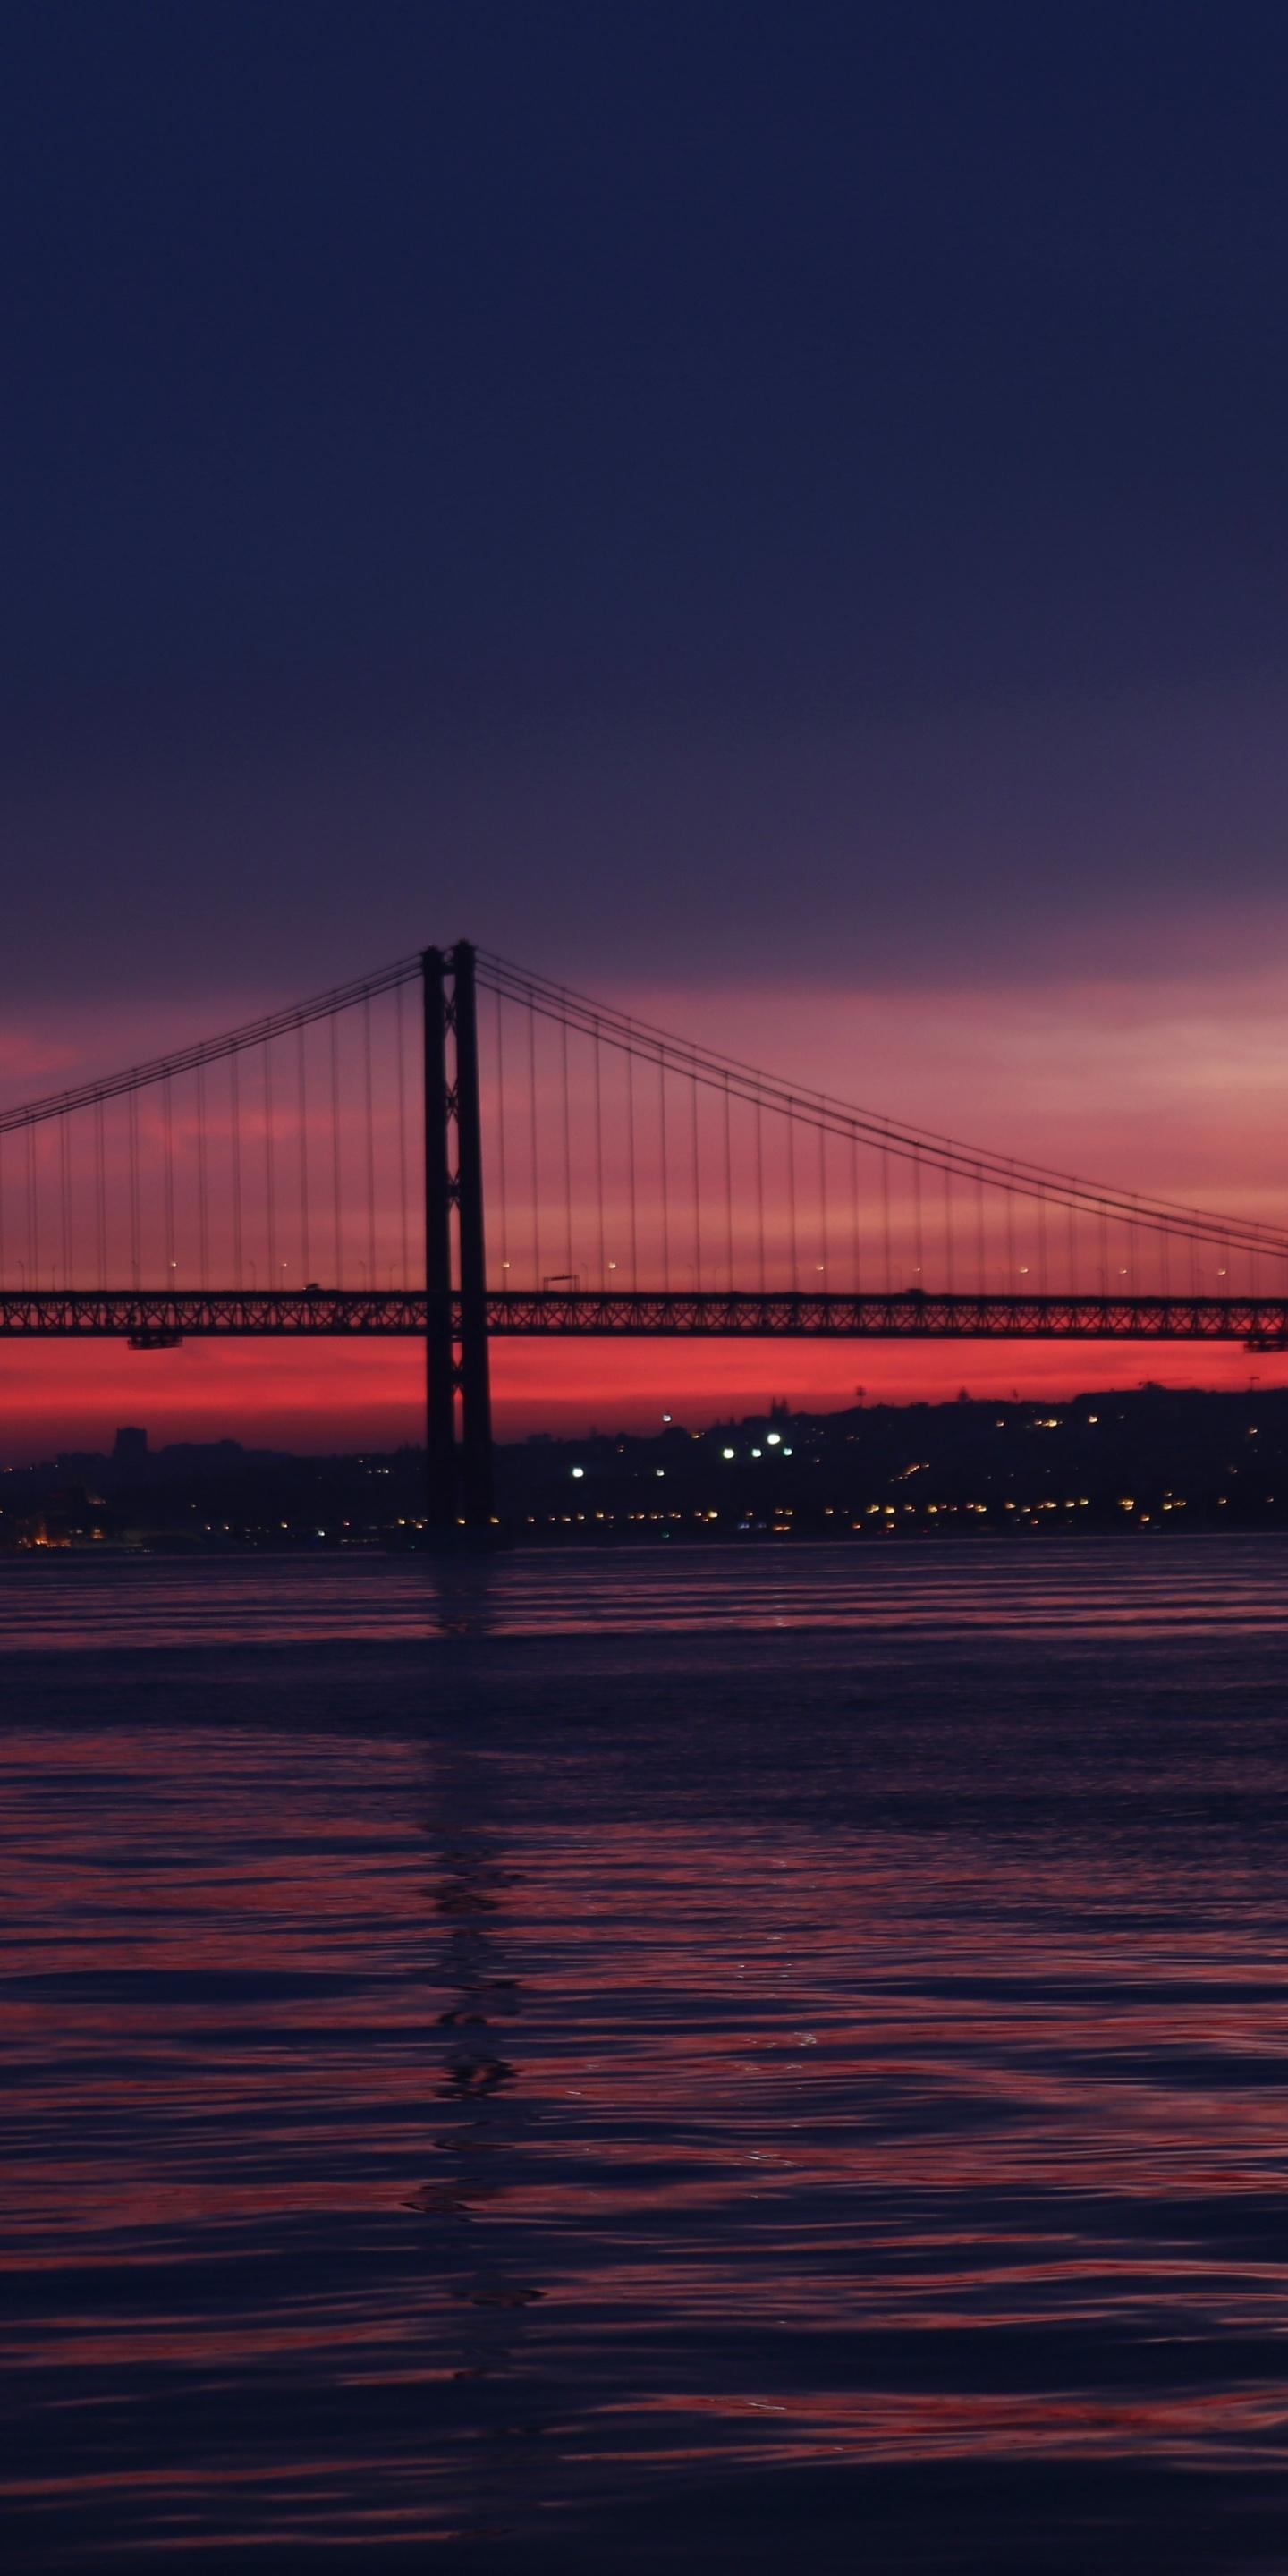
[(827, 1114), (204, 1051)]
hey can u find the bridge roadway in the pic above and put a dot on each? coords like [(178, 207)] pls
[(153, 1320)]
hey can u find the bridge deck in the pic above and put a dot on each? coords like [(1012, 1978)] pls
[(156, 1319)]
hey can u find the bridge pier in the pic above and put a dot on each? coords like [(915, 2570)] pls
[(458, 1469)]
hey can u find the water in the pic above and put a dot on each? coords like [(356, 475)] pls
[(647, 2061)]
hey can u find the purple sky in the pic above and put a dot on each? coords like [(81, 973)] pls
[(780, 510)]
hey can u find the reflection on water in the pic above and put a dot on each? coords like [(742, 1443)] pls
[(644, 2062), (1099, 1586), (477, 2123)]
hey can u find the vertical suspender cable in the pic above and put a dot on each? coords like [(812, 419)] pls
[(948, 1227), (167, 1139), (1042, 1244), (302, 1125), (599, 1156), (404, 1249), (665, 1178), (32, 1237), (793, 1266), (33, 1214), (270, 1213), (337, 1222), (856, 1232), (134, 1187), (234, 1096), (728, 1187), (371, 1142), (532, 1144), (500, 1140), (760, 1191), (100, 1175), (203, 1235), (981, 1251), (65, 1195), (697, 1183), (916, 1214), (885, 1214), (3, 1269), (399, 1141), (1010, 1237), (567, 1150), (822, 1199), (630, 1149)]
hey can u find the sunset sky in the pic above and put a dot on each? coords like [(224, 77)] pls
[(775, 520)]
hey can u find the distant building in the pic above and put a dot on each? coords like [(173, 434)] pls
[(130, 1447)]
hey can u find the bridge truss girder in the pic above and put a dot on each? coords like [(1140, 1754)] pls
[(157, 1320)]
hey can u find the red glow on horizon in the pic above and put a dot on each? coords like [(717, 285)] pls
[(1179, 1084), (307, 1397)]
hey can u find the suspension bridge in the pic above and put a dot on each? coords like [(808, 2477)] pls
[(453, 1149)]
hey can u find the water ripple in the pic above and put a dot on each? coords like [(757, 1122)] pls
[(627, 2061)]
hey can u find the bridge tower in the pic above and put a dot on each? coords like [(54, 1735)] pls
[(456, 1338)]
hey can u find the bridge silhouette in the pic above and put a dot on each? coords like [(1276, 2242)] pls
[(456, 1150)]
